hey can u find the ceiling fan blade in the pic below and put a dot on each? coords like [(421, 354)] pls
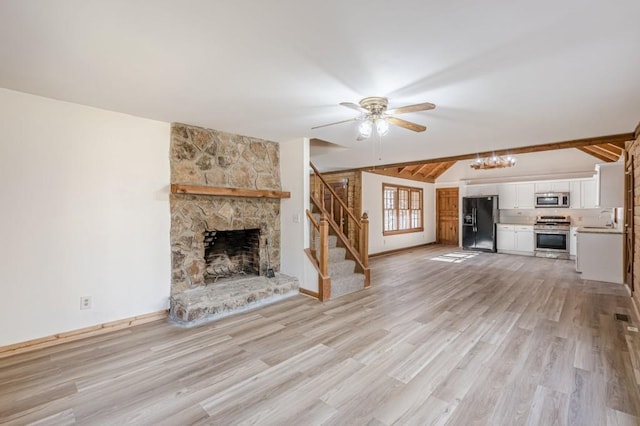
[(337, 122), (354, 106), (406, 124), (412, 108)]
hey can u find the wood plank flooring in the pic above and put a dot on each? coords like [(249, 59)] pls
[(492, 340)]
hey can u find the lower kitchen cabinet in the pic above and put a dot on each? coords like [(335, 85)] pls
[(573, 241), (515, 239), (600, 256)]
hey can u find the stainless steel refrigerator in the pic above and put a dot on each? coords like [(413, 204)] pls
[(479, 218)]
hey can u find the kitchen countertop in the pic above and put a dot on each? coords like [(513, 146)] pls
[(514, 223), (599, 230)]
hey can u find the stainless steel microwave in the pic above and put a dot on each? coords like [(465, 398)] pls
[(552, 199)]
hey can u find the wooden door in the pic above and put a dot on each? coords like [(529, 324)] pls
[(447, 216), (628, 222), (341, 189)]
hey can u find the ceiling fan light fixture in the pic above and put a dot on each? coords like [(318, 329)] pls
[(382, 126), (365, 129)]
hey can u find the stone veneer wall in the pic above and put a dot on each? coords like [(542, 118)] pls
[(208, 157)]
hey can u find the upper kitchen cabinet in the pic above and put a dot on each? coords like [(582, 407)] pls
[(552, 186), (516, 195), (583, 194), (610, 185), (479, 190)]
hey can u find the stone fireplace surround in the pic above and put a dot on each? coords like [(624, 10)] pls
[(211, 158)]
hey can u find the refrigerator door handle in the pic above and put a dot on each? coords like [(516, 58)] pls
[(475, 220)]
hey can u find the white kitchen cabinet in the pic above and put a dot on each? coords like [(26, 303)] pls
[(478, 190), (526, 195), (516, 239), (589, 194), (583, 194), (600, 256), (524, 240), (552, 186), (610, 185), (505, 237), (516, 195), (573, 241)]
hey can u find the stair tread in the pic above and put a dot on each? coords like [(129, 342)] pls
[(341, 286)]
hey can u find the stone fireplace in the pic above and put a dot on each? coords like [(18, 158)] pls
[(217, 240)]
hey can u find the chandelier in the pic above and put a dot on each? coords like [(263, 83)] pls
[(493, 162)]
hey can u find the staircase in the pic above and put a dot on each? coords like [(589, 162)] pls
[(342, 269)]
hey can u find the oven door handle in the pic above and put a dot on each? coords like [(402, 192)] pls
[(540, 231)]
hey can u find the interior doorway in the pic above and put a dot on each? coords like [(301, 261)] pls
[(447, 216)]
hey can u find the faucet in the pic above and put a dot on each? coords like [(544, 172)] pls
[(611, 221)]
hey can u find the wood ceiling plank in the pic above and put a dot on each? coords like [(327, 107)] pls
[(440, 169), (612, 156), (589, 151), (391, 172), (613, 148), (420, 169)]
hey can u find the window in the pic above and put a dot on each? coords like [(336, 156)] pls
[(401, 209)]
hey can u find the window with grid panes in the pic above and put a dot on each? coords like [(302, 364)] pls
[(401, 209)]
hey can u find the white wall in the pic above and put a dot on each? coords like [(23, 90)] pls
[(85, 212), (294, 172), (553, 164), (372, 205)]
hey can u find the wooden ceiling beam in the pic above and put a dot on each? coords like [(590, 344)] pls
[(578, 143)]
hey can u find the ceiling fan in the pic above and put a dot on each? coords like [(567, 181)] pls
[(374, 113)]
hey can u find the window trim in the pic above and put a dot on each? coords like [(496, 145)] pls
[(410, 189)]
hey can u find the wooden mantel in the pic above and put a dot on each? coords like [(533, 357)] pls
[(177, 188)]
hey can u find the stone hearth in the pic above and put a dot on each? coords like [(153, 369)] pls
[(211, 158), (211, 302)]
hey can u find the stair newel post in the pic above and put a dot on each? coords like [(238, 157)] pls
[(364, 239), (324, 245)]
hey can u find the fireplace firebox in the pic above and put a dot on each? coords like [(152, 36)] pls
[(231, 254)]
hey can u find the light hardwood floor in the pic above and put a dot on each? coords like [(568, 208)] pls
[(495, 339)]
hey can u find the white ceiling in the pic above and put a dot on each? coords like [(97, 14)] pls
[(502, 73)]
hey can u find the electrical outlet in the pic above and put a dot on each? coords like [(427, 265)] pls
[(85, 302)]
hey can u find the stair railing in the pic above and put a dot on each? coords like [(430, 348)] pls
[(322, 189), (320, 257)]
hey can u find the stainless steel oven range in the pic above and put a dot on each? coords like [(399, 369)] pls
[(552, 236)]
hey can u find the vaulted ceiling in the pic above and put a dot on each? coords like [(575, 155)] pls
[(502, 74)]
